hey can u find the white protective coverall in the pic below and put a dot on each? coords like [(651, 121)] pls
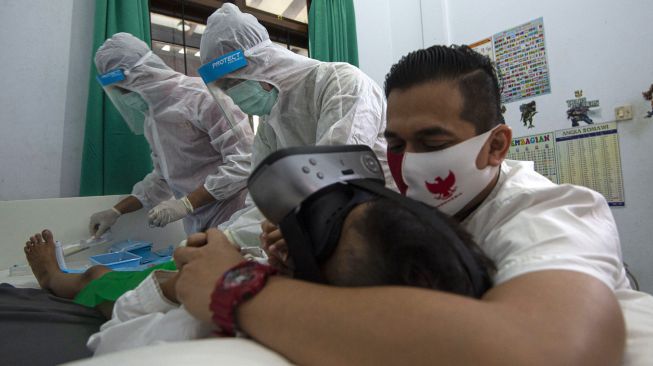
[(319, 103), (194, 141)]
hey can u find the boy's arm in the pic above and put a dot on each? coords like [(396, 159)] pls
[(143, 316), (168, 288), (547, 317), (174, 325)]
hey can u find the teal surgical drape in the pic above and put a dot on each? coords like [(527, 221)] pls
[(332, 31), (113, 158)]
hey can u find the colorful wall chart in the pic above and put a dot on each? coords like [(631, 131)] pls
[(521, 61), (586, 156)]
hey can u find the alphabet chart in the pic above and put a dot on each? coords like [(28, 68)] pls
[(540, 149)]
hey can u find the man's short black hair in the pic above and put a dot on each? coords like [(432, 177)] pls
[(476, 76), (403, 249)]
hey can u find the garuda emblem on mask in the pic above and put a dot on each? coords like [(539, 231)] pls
[(442, 188)]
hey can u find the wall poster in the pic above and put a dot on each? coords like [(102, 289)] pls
[(589, 156), (540, 149), (585, 156), (521, 61)]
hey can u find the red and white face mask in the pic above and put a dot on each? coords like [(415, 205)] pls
[(447, 179)]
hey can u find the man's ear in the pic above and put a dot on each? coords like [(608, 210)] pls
[(496, 148)]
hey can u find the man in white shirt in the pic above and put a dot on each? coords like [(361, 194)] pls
[(560, 293)]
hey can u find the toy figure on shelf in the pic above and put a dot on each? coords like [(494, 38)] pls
[(579, 108), (528, 111), (579, 114), (648, 95)]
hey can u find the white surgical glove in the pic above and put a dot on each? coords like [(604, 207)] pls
[(169, 211), (102, 221)]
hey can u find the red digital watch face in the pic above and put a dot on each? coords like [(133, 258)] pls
[(237, 277)]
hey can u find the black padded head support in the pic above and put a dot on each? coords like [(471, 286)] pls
[(312, 232)]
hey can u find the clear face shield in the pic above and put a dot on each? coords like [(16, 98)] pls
[(213, 73), (133, 108)]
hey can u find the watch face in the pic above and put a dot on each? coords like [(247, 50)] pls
[(237, 277)]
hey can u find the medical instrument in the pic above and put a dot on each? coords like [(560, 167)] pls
[(85, 244), (61, 251)]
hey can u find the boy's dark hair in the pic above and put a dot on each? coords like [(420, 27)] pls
[(405, 250), (476, 76)]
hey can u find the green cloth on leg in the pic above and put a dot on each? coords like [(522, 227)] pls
[(332, 31), (113, 158), (114, 284)]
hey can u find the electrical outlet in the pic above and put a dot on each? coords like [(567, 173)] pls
[(623, 113)]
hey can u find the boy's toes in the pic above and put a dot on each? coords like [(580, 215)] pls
[(47, 236)]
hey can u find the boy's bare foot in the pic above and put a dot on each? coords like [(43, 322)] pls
[(39, 250)]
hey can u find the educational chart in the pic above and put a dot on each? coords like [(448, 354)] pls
[(540, 149), (521, 61), (589, 156), (586, 156)]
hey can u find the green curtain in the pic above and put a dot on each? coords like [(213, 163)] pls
[(332, 31), (113, 158)]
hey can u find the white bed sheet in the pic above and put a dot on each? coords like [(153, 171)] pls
[(24, 281), (214, 351)]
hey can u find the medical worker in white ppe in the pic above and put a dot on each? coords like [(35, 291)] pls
[(201, 150), (301, 101)]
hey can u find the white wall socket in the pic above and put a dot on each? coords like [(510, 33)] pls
[(624, 112)]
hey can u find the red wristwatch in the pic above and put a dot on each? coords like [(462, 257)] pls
[(236, 286)]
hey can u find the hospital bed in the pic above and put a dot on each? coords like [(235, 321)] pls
[(68, 219)]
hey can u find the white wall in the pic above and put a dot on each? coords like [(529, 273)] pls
[(603, 48), (389, 29), (373, 33), (46, 48)]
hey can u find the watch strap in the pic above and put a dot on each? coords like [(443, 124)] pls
[(226, 298)]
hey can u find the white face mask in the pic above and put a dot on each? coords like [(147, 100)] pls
[(447, 179)]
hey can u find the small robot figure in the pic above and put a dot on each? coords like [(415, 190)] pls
[(648, 95), (579, 113), (528, 111)]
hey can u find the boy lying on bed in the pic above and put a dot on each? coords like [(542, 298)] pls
[(381, 243)]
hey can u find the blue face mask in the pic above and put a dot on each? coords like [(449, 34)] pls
[(252, 99)]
